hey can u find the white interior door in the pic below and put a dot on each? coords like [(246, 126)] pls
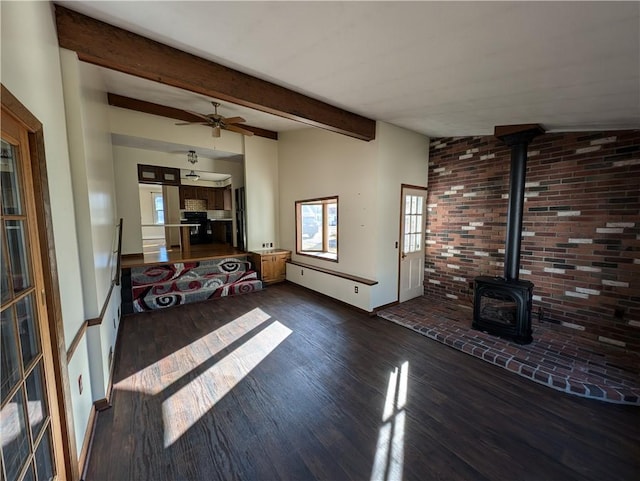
[(412, 243)]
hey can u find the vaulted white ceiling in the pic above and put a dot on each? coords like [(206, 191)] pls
[(439, 68)]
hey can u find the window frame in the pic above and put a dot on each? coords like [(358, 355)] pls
[(324, 252), (156, 217)]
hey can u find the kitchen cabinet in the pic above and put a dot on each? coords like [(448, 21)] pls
[(155, 174), (271, 264), (188, 192), (226, 198), (221, 231), (215, 197)]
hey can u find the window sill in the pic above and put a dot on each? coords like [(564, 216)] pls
[(328, 256)]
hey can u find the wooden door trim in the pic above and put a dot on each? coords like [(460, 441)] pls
[(47, 253), (400, 233)]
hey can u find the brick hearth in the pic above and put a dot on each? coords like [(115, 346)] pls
[(556, 359)]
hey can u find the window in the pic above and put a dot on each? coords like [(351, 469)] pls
[(158, 207), (413, 224), (317, 228)]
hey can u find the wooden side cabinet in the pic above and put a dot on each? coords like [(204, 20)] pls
[(271, 264)]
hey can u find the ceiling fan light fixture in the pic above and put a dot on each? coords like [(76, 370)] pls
[(192, 157), (192, 176), (215, 131)]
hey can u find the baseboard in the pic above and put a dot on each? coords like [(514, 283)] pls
[(83, 459), (101, 404)]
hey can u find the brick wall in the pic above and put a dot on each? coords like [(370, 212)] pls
[(581, 227)]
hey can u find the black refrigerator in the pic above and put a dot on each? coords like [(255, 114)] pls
[(241, 219)]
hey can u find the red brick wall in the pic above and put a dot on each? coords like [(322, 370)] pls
[(581, 226)]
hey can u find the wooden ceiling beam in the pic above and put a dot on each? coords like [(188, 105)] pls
[(173, 113), (102, 44)]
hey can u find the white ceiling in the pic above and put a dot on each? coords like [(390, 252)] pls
[(439, 68)]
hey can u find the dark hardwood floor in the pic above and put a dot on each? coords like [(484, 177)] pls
[(285, 384)]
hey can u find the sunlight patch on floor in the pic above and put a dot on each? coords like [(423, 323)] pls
[(183, 409), (389, 458), (164, 373)]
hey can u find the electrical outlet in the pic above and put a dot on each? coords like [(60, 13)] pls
[(355, 289), (80, 383)]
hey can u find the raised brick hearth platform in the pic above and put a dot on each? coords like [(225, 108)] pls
[(556, 359)]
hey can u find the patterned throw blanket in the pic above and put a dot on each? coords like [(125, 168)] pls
[(167, 285)]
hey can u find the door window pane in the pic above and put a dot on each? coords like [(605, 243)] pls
[(44, 460), (18, 260), (11, 204), (13, 432), (413, 219), (29, 476), (5, 293), (36, 401), (9, 355), (28, 330)]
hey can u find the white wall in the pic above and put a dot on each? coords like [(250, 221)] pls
[(88, 131), (366, 176), (92, 176), (31, 71), (402, 159), (261, 189), (317, 163)]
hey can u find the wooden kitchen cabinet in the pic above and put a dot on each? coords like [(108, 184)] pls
[(226, 198), (188, 192), (155, 174), (215, 197), (218, 199), (271, 264)]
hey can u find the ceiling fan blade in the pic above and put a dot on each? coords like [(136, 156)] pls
[(234, 120), (240, 130), (192, 123)]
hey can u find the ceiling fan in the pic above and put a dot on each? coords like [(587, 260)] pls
[(218, 122)]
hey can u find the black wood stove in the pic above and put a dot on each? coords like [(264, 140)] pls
[(502, 305)]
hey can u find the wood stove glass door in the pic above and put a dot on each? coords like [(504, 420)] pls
[(412, 243)]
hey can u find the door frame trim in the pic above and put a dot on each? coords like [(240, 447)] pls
[(64, 409), (402, 187)]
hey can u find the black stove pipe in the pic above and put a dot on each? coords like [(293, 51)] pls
[(518, 138), (514, 214)]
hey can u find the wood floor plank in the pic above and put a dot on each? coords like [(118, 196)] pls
[(285, 384)]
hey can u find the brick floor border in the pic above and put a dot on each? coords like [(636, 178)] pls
[(556, 359)]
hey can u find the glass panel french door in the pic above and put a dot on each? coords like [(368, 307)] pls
[(25, 420)]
